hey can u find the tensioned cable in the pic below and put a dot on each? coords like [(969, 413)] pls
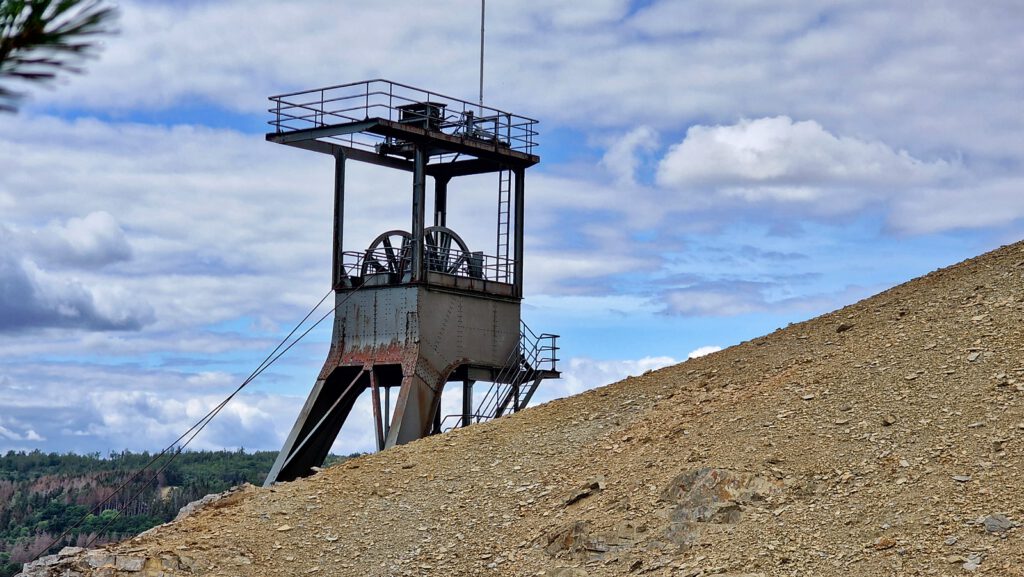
[(199, 426), (195, 429)]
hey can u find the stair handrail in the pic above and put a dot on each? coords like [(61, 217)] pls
[(531, 347), (533, 353), (494, 391)]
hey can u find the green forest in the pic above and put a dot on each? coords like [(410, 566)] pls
[(45, 495)]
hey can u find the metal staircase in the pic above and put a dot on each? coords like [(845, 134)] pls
[(535, 359)]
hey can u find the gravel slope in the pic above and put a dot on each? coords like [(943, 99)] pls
[(885, 438)]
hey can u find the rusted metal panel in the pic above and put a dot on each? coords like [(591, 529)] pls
[(428, 333), (381, 324)]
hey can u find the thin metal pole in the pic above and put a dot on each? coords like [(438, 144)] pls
[(483, 4)]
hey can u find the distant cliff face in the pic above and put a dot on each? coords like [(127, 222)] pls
[(886, 438)]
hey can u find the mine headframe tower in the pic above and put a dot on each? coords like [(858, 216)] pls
[(417, 309)]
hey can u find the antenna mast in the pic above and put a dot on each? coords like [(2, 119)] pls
[(483, 4)]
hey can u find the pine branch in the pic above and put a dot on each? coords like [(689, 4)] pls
[(40, 39)]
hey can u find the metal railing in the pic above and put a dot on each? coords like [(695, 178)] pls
[(534, 354), (452, 261), (384, 99), (543, 351)]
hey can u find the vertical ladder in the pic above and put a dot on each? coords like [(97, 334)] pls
[(504, 220)]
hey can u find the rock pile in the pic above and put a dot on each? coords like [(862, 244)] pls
[(886, 438)]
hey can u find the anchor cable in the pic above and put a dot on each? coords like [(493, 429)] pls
[(201, 424)]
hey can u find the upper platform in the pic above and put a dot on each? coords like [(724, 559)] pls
[(380, 122)]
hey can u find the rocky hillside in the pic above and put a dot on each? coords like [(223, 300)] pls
[(886, 438)]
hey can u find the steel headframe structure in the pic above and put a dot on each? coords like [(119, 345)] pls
[(417, 309)]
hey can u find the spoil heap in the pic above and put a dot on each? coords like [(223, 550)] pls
[(886, 438)]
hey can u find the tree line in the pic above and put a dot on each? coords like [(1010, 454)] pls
[(44, 495)]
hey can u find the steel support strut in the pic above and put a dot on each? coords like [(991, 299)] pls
[(519, 201), (441, 200), (419, 193), (415, 407), (318, 424), (338, 269), (467, 402), (378, 421)]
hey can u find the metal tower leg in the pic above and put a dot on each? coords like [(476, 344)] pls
[(467, 402), (435, 429), (338, 270), (519, 199), (387, 411), (378, 421), (414, 409), (318, 424), (419, 193), (441, 200)]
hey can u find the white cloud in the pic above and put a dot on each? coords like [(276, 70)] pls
[(894, 69), (211, 238), (33, 298), (699, 297), (111, 408), (779, 160), (212, 379), (29, 435), (622, 159), (899, 88), (715, 302), (993, 204), (93, 240), (702, 351), (150, 420), (580, 374), (934, 79)]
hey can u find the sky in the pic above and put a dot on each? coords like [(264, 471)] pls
[(710, 171)]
